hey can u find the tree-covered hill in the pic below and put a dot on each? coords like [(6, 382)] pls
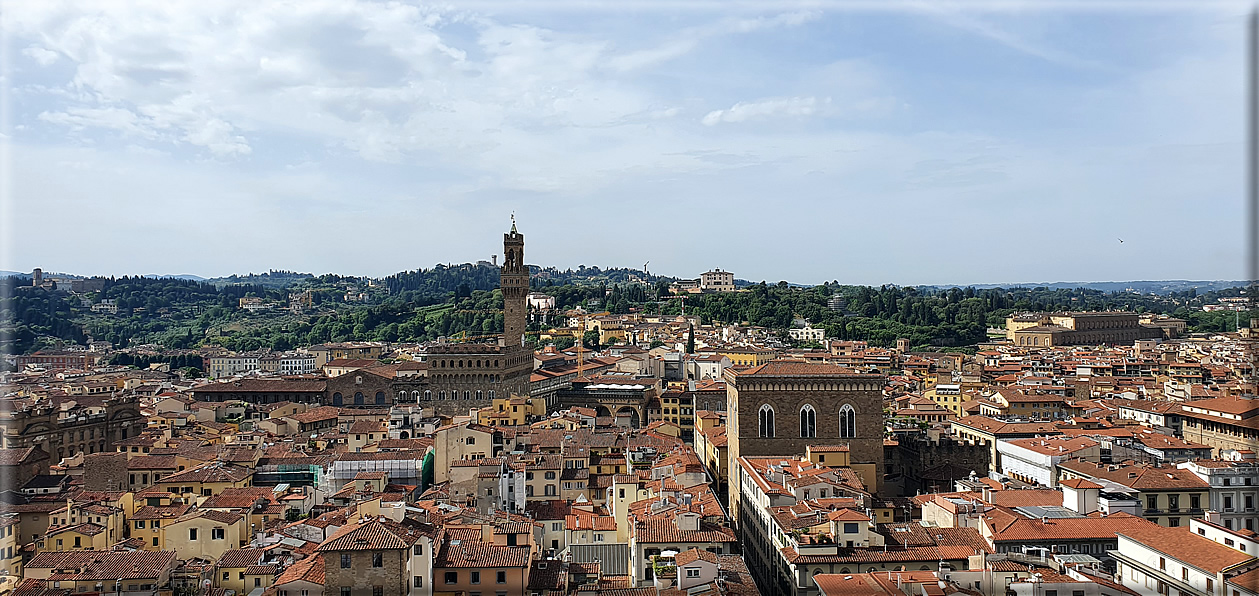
[(450, 300)]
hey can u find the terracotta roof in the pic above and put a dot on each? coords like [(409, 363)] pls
[(309, 569), (1013, 527), (1079, 484), (481, 555), (1055, 445), (666, 530), (152, 462), (239, 497), (997, 427), (161, 512), (15, 457), (222, 517), (925, 554), (317, 414), (1140, 477), (1182, 544), (239, 558), (104, 565), (695, 554), (796, 368), (264, 385), (209, 472), (375, 534), (1025, 497)]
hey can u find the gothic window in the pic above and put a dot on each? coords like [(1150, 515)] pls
[(847, 422), (478, 394), (441, 396), (808, 422), (491, 394), (467, 394), (428, 395), (766, 420)]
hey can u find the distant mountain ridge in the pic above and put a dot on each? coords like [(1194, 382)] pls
[(1160, 287), (280, 279)]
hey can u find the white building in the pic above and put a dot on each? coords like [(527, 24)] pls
[(1158, 560), (716, 281), (1036, 459), (298, 363), (1234, 490), (708, 366), (234, 364), (107, 305), (807, 333), (540, 301)]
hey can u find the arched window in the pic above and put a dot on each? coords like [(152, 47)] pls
[(847, 422), (402, 396), (428, 395), (336, 399), (491, 394), (441, 395), (808, 422), (766, 420), (380, 398), (358, 398), (479, 395), (467, 394)]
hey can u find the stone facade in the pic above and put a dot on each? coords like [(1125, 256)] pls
[(360, 388), (788, 390), (392, 576), (465, 376), (81, 429), (105, 471)]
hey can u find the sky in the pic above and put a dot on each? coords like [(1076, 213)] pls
[(869, 143)]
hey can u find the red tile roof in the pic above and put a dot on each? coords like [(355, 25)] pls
[(374, 534), (309, 569), (1182, 544), (104, 565), (480, 555), (796, 368)]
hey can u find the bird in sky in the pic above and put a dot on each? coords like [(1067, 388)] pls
[(1120, 240)]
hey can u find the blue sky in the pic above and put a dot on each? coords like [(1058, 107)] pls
[(908, 143)]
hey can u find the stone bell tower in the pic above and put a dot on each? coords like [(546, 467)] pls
[(514, 281)]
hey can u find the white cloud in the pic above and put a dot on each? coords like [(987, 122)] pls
[(116, 119), (783, 106), (41, 56), (471, 116), (691, 38)]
